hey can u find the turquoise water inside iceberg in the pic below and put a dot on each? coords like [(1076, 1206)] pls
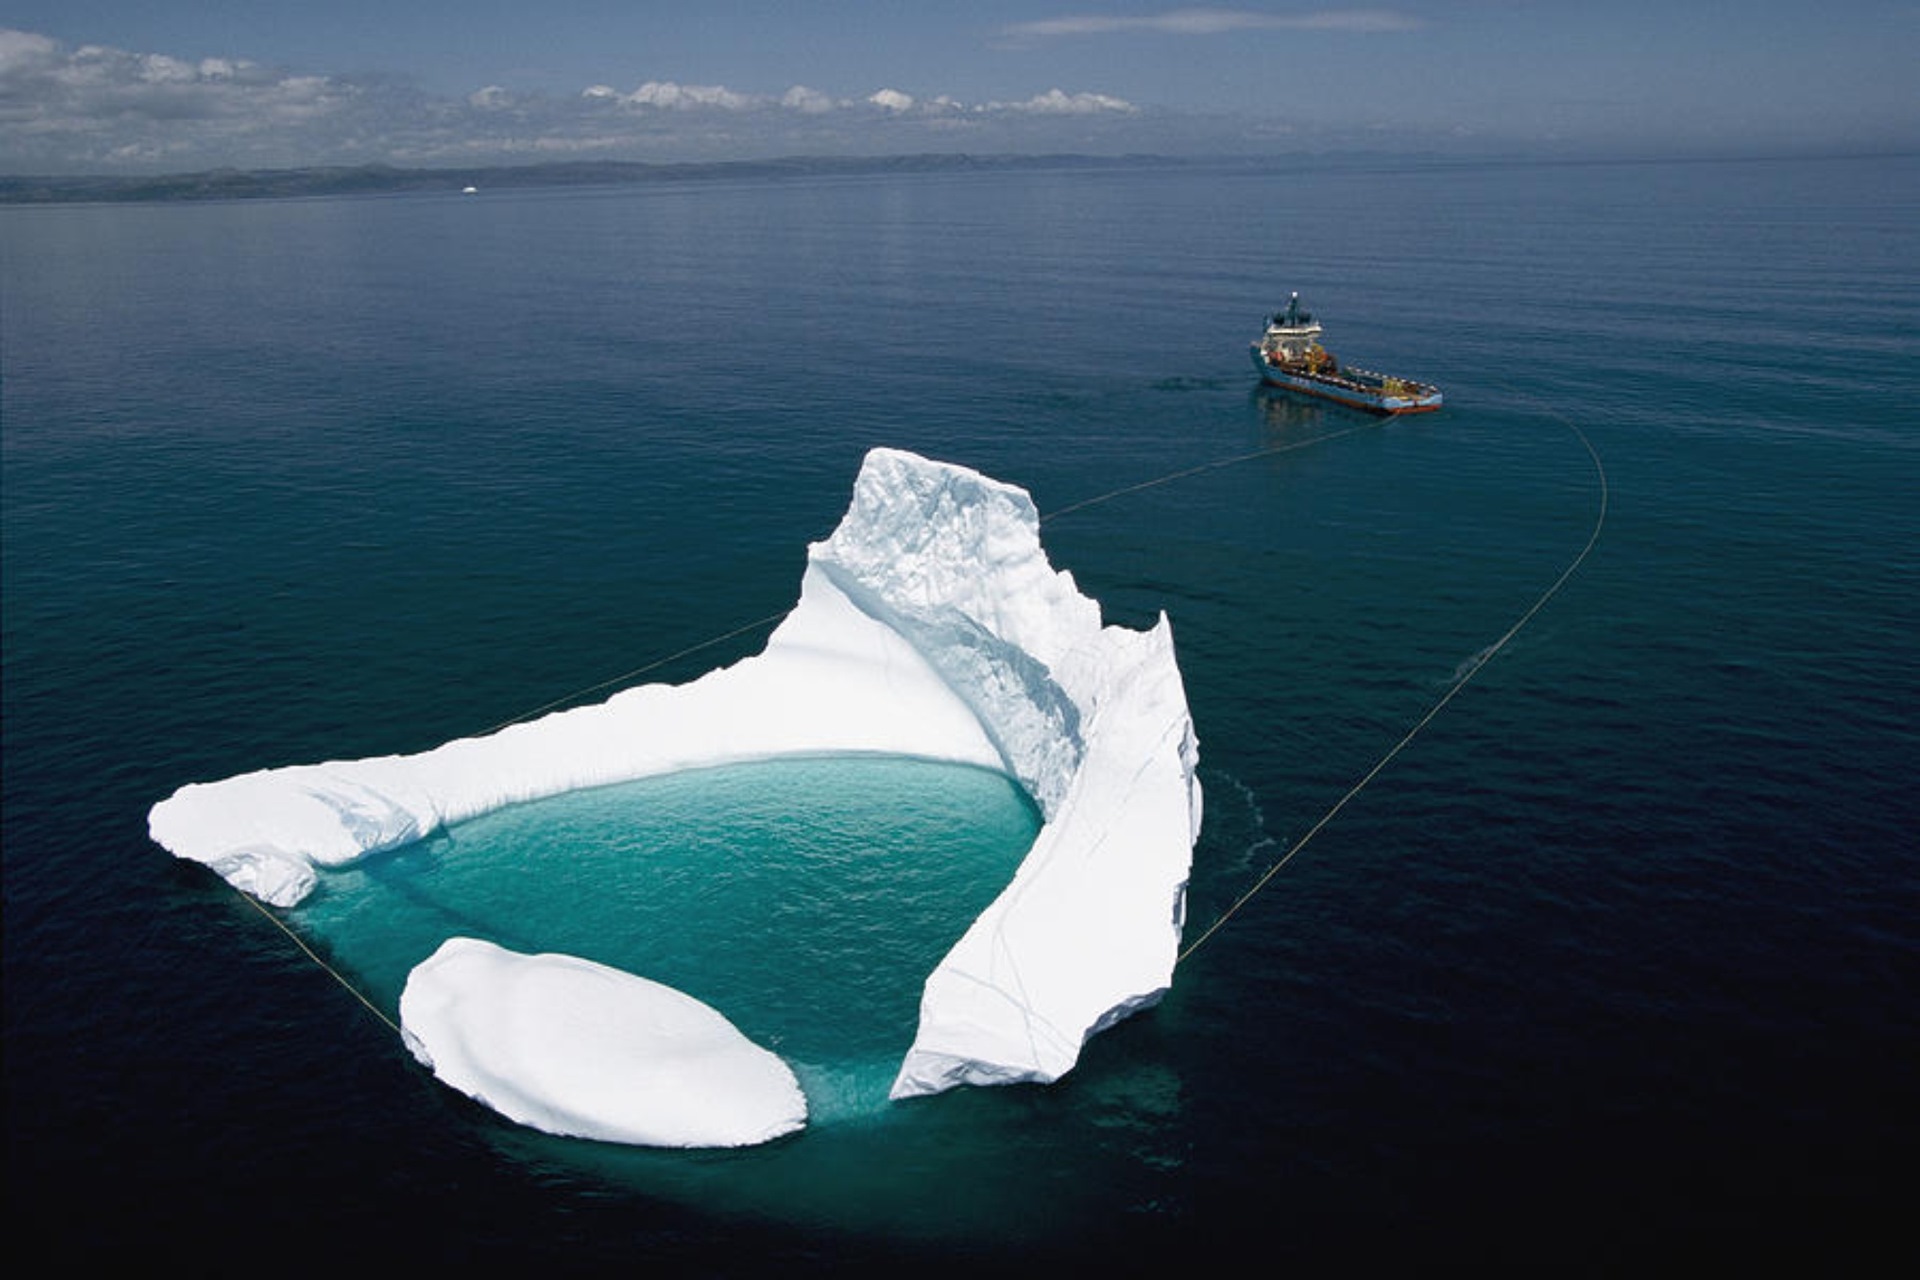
[(806, 899)]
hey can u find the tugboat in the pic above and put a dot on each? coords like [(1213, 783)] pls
[(1289, 355)]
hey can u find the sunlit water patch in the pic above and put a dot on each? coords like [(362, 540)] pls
[(806, 899)]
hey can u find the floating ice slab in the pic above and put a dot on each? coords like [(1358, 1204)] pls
[(930, 624), (575, 1048)]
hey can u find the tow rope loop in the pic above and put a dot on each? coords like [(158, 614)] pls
[(768, 621), (1472, 669)]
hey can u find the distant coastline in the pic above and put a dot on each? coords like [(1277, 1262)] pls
[(314, 181), (379, 179)]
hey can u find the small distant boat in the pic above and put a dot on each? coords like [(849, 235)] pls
[(1289, 355)]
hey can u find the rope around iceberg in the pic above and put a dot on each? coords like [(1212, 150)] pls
[(1216, 465), (1473, 668)]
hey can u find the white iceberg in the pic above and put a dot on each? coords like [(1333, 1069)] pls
[(575, 1048), (930, 624)]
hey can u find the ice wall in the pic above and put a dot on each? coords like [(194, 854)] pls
[(1091, 720)]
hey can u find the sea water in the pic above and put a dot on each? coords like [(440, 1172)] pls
[(1618, 954)]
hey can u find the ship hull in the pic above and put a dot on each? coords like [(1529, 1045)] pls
[(1357, 388)]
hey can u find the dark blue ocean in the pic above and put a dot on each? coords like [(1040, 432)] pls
[(1617, 958)]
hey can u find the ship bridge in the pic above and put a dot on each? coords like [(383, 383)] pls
[(1292, 334)]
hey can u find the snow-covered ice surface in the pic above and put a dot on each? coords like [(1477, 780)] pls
[(576, 1048), (930, 624)]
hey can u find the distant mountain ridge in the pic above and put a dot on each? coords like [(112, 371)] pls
[(379, 179)]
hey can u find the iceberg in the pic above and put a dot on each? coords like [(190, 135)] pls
[(930, 624), (575, 1048)]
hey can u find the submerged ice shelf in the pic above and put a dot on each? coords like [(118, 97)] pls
[(930, 624)]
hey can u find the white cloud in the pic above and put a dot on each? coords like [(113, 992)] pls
[(808, 101), (96, 105), (669, 96), (158, 68), (892, 100), (1054, 102), (22, 51)]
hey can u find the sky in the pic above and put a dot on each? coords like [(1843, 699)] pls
[(158, 86)]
